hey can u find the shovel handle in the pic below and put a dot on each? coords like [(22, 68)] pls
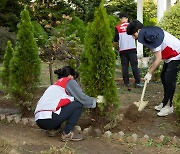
[(144, 89)]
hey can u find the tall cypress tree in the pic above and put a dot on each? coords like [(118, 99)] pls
[(7, 57), (25, 64), (97, 68)]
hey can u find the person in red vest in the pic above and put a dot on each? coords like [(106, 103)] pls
[(165, 47), (63, 101), (127, 50)]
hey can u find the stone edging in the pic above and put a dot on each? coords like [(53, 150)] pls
[(120, 136), (17, 119)]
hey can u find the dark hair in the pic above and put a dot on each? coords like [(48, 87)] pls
[(133, 27), (121, 15), (65, 71)]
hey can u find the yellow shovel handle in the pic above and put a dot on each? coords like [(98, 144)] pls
[(144, 89)]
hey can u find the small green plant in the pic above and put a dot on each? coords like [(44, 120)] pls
[(63, 150), (166, 140), (150, 142)]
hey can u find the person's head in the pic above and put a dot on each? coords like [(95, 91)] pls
[(151, 36), (123, 17), (133, 28), (65, 72)]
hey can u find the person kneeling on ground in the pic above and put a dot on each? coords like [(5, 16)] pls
[(63, 101)]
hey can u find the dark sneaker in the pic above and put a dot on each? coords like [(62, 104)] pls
[(52, 132), (71, 137), (139, 85)]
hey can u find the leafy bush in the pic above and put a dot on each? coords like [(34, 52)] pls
[(39, 34), (128, 6), (113, 21), (72, 25), (170, 21), (149, 19), (149, 13)]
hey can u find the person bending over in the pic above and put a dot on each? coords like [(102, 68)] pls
[(165, 47), (63, 101)]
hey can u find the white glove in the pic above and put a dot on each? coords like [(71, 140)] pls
[(100, 99), (148, 77)]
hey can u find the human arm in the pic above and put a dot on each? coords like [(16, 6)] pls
[(157, 61), (155, 64), (75, 90)]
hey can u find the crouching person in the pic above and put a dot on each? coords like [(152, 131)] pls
[(63, 101)]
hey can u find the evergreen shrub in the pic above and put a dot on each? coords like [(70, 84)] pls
[(25, 64), (97, 69)]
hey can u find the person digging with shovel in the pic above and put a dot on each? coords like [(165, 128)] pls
[(165, 47)]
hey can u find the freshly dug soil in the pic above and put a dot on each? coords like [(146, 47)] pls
[(134, 115)]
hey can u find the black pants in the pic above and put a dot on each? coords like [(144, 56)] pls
[(168, 79), (129, 56), (69, 113)]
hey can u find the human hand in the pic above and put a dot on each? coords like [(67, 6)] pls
[(100, 99), (148, 77)]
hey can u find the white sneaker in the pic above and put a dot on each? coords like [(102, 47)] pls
[(158, 107), (165, 111)]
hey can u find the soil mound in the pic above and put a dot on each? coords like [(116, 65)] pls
[(134, 121), (134, 115)]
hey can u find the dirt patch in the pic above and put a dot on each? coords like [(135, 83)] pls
[(34, 140), (134, 115)]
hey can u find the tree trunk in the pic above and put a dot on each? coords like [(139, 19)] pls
[(50, 73)]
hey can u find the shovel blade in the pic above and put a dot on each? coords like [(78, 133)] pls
[(142, 105), (136, 103)]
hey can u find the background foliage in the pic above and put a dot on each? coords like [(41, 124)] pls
[(171, 20), (5, 35)]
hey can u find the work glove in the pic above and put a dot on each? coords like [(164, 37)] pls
[(100, 99), (148, 77)]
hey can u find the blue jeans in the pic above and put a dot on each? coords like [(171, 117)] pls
[(168, 79), (69, 113)]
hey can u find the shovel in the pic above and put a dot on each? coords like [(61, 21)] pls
[(142, 104)]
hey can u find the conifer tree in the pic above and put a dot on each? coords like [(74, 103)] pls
[(97, 68), (25, 64), (7, 57)]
